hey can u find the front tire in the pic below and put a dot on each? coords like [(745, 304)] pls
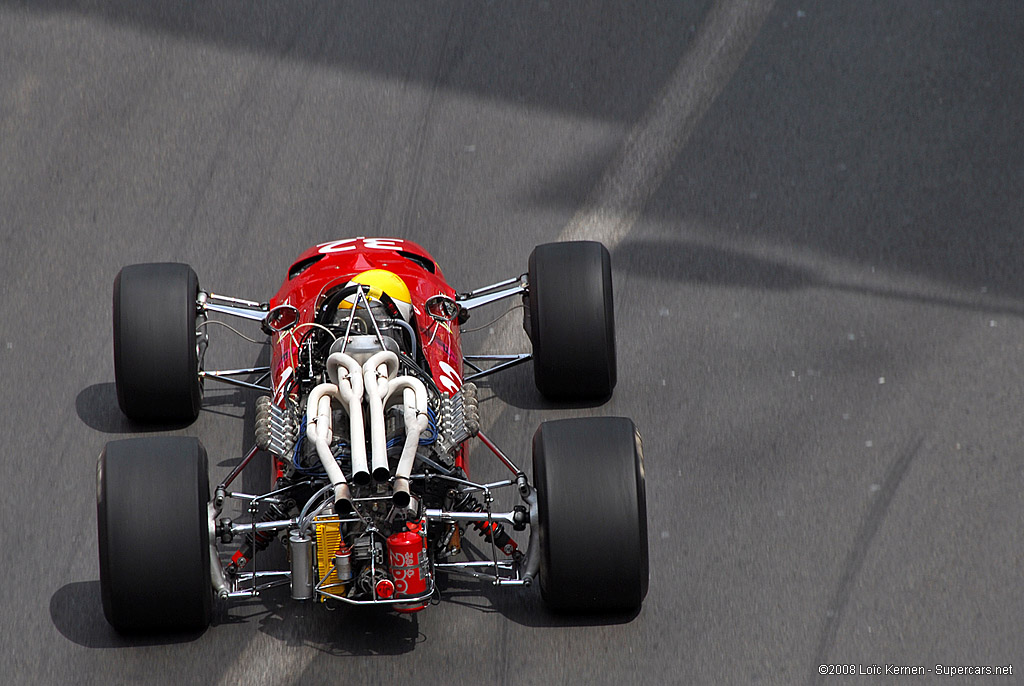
[(592, 505), (154, 537), (571, 321), (156, 359)]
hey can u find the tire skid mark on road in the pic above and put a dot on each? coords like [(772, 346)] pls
[(858, 553)]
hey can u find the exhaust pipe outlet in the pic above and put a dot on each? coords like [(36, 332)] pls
[(377, 373), (343, 500), (401, 496)]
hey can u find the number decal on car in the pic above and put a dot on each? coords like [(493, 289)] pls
[(347, 244)]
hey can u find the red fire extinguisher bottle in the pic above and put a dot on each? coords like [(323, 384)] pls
[(407, 558)]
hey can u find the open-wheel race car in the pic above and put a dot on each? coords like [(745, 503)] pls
[(367, 410)]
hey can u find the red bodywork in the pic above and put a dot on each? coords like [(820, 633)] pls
[(335, 263)]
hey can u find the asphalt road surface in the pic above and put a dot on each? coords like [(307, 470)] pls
[(814, 212)]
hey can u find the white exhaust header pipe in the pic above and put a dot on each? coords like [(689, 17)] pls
[(375, 379), (377, 373), (319, 431), (414, 395), (347, 374)]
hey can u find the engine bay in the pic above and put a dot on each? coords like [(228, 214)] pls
[(370, 492)]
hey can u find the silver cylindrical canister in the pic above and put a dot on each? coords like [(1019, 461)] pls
[(301, 547), (343, 563)]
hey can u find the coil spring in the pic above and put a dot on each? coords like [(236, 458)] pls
[(489, 530), (256, 542)]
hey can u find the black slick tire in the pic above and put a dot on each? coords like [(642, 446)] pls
[(571, 321), (156, 362), (592, 506), (154, 539)]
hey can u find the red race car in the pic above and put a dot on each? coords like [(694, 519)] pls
[(366, 409)]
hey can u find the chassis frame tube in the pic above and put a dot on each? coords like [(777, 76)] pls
[(503, 362), (446, 516), (319, 589), (493, 293)]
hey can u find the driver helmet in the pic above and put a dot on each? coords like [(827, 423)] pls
[(379, 281)]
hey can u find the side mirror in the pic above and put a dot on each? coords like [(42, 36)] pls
[(441, 308), (281, 318)]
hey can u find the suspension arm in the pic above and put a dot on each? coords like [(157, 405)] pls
[(511, 518)]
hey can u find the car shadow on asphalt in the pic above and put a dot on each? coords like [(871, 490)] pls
[(76, 611), (97, 407), (384, 632), (330, 628), (523, 605), (515, 387)]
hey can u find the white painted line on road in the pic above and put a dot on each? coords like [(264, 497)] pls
[(654, 143)]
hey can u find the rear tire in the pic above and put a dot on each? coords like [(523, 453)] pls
[(592, 504), (156, 360), (571, 321), (154, 538)]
